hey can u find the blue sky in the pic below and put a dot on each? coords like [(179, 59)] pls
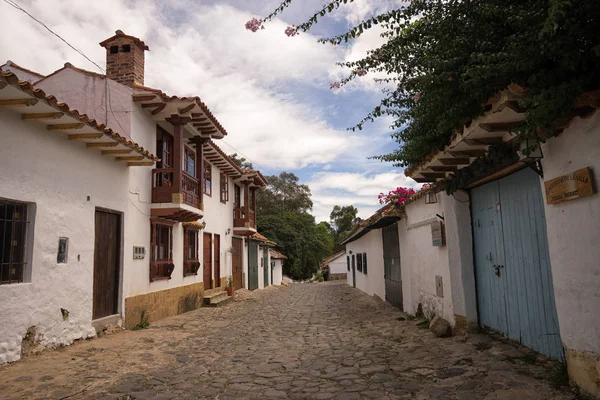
[(270, 92)]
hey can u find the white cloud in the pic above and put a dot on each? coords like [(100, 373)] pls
[(357, 189), (246, 79)]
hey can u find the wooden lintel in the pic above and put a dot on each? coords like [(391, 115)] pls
[(109, 152), (80, 136), (18, 102), (65, 127), (484, 141), (187, 108), (442, 168), (454, 161), (151, 105), (41, 116), (159, 109), (129, 158), (102, 144), (469, 153), (140, 163), (143, 97)]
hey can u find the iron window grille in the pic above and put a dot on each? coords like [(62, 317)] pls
[(13, 229), (365, 263), (359, 263)]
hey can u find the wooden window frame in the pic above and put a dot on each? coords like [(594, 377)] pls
[(160, 269), (187, 153), (12, 266), (166, 155), (364, 262), (224, 188), (207, 179), (190, 265), (359, 262)]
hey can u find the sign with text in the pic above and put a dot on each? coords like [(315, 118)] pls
[(570, 186), (437, 233)]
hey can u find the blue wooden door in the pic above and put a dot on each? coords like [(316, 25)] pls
[(514, 281)]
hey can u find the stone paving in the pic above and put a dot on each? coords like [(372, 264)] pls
[(305, 341)]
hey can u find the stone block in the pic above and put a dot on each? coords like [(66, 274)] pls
[(440, 327)]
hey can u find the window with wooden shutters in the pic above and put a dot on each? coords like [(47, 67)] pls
[(161, 261), (13, 227), (365, 263), (348, 262), (191, 262), (224, 189), (207, 179), (359, 262)]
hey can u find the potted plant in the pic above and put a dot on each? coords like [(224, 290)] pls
[(229, 286)]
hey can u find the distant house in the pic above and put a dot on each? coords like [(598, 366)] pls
[(337, 266), (276, 266), (259, 262), (115, 201)]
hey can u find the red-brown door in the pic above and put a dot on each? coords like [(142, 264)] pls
[(217, 257), (106, 264), (237, 267), (207, 261)]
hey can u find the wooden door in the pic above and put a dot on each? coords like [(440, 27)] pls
[(106, 264), (207, 268), (237, 268), (353, 270), (515, 292), (252, 265), (391, 265), (266, 265), (217, 257)]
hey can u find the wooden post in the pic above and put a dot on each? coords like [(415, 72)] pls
[(199, 142), (177, 121)]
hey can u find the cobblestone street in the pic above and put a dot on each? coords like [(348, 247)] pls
[(306, 341)]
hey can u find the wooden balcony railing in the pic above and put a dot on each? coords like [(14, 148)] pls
[(240, 219), (163, 189)]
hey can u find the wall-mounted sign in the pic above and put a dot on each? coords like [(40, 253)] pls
[(570, 186), (437, 233)]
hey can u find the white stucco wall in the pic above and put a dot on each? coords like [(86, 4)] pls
[(573, 231), (87, 94), (338, 266), (277, 272), (57, 175), (421, 261), (373, 283)]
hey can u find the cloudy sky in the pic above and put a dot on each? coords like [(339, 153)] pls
[(271, 92)]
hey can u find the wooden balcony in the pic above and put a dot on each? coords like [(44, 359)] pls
[(165, 192), (244, 224)]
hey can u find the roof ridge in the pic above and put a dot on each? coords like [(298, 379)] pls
[(13, 64)]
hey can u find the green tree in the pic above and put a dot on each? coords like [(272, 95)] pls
[(283, 217), (342, 219), (241, 162), (444, 59)]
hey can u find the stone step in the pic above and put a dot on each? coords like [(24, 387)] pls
[(220, 302), (214, 297)]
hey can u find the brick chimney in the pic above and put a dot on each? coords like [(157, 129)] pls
[(125, 58)]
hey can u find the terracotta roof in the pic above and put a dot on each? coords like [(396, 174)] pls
[(332, 257), (225, 157), (493, 127), (27, 88), (119, 34), (364, 226), (196, 99), (71, 66), (253, 172), (259, 237), (13, 65), (277, 255)]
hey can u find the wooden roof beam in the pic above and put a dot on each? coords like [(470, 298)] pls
[(469, 153), (187, 108), (8, 103), (442, 168), (454, 161), (484, 141), (140, 163), (65, 127), (129, 158), (41, 116), (113, 152), (151, 105), (102, 144), (159, 109), (143, 97), (499, 126), (82, 136)]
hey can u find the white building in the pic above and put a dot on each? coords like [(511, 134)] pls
[(94, 241), (277, 266), (337, 266)]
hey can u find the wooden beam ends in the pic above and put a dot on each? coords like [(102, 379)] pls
[(65, 127), (102, 144), (41, 116), (6, 103), (109, 152), (140, 163), (81, 136)]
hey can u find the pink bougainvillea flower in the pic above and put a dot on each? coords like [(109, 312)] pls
[(254, 24), (417, 97), (291, 31), (335, 85), (361, 72)]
